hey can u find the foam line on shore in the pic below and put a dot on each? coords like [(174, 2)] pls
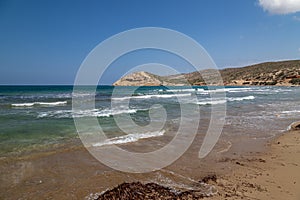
[(227, 148)]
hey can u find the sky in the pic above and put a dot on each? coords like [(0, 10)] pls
[(45, 42)]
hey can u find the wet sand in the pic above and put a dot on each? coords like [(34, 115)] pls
[(244, 168), (70, 172)]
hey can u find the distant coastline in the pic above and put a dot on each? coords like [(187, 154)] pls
[(282, 73)]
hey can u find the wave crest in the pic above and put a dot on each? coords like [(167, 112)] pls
[(151, 96), (221, 101), (129, 138), (86, 113), (39, 103)]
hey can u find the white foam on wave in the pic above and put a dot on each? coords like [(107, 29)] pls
[(183, 90), (211, 102), (52, 103), (230, 90), (283, 90), (151, 96), (39, 103), (222, 101), (287, 112), (86, 113), (237, 89), (134, 137), (22, 104), (241, 98), (91, 94)]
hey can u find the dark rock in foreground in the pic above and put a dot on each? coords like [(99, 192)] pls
[(138, 190)]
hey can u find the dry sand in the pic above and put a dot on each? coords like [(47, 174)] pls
[(274, 174)]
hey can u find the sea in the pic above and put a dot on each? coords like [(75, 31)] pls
[(33, 118)]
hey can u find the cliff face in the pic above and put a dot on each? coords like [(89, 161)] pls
[(269, 73)]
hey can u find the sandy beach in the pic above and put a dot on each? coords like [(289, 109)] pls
[(272, 174)]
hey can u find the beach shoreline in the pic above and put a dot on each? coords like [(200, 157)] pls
[(270, 174)]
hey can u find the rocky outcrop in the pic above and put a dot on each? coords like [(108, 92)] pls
[(148, 79), (284, 73), (139, 78)]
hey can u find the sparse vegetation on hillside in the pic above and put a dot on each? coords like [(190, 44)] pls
[(269, 73), (295, 81)]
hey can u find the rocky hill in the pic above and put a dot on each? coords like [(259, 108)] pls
[(269, 73), (139, 78), (148, 79)]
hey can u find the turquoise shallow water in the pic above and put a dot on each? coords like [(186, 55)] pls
[(37, 116)]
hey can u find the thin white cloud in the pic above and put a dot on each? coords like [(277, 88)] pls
[(296, 18), (280, 6)]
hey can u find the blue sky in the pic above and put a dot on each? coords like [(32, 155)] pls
[(45, 42)]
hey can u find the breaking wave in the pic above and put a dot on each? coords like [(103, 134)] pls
[(86, 113), (241, 98), (129, 138), (151, 96), (39, 104), (182, 90), (221, 101)]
